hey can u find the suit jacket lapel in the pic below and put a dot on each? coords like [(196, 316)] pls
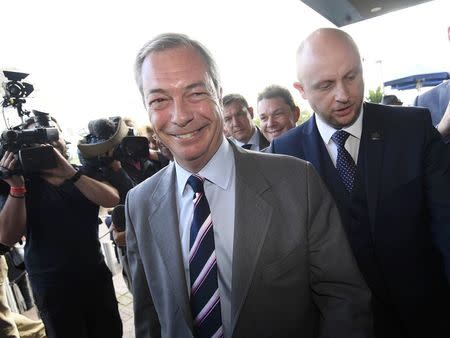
[(165, 228), (253, 216), (373, 138), (263, 142), (312, 141)]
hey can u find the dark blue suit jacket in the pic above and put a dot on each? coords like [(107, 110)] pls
[(436, 100), (408, 196)]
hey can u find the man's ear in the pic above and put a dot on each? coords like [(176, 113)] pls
[(250, 111), (296, 114), (300, 88)]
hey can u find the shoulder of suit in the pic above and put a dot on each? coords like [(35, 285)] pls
[(153, 181), (277, 163), (397, 117), (436, 91)]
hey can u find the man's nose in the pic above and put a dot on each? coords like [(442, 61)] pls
[(342, 92), (270, 121), (235, 121), (181, 114)]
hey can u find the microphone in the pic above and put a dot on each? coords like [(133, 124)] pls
[(118, 217), (103, 129)]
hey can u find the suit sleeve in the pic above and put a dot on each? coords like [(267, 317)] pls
[(146, 319), (339, 291), (437, 174)]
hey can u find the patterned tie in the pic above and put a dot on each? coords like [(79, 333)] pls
[(344, 164), (247, 146), (205, 301)]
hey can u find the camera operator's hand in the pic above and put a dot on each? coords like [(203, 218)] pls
[(119, 236), (8, 163), (98, 192), (13, 214), (115, 165), (64, 170)]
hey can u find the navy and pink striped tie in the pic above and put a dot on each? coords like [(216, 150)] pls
[(205, 300)]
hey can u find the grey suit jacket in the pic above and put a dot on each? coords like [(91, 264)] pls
[(293, 272)]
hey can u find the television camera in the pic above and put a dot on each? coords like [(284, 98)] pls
[(110, 139), (30, 145)]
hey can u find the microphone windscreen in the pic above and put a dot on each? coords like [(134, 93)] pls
[(118, 217), (103, 129)]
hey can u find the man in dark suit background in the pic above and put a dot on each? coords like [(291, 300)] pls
[(238, 122), (278, 264), (388, 170), (437, 100)]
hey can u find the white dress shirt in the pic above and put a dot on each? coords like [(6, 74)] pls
[(352, 143), (254, 141), (220, 175)]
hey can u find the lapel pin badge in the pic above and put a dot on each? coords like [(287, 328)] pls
[(375, 136)]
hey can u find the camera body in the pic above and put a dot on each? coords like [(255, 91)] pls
[(114, 137), (131, 147), (29, 145)]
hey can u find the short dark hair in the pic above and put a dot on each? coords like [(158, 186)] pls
[(230, 98), (277, 91)]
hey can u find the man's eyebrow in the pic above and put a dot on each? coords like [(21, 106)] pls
[(155, 91), (279, 110), (188, 87), (196, 84)]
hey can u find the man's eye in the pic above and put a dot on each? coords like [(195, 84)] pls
[(195, 96), (324, 86), (157, 103)]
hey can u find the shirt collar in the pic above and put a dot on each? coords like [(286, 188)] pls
[(326, 131), (223, 159), (253, 139)]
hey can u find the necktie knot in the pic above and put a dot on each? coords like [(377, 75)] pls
[(340, 137), (196, 183), (247, 146)]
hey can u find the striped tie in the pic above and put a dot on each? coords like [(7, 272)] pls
[(205, 300)]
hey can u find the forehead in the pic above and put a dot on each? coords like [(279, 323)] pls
[(172, 68), (269, 105), (327, 59), (233, 108)]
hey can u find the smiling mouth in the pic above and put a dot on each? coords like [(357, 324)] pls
[(188, 135)]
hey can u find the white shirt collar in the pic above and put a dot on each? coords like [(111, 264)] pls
[(326, 131), (253, 140), (223, 159)]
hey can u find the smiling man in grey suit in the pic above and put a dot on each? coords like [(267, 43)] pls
[(252, 253)]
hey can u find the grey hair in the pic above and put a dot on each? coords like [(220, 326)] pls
[(230, 98), (168, 41), (277, 91)]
